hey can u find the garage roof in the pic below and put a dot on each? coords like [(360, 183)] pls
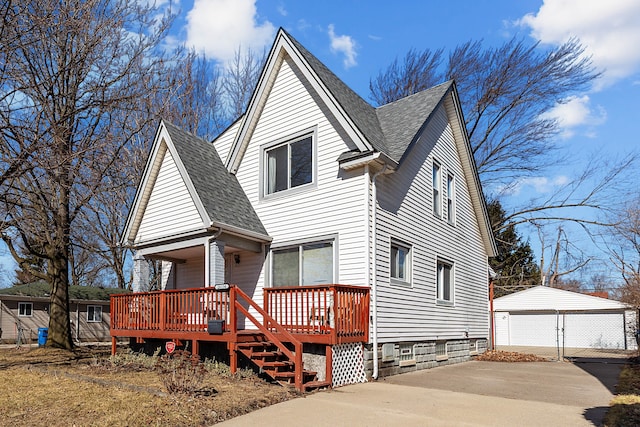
[(546, 298)]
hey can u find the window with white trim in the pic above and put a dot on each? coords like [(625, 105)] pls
[(303, 264), (400, 260), (437, 202), (444, 282), (25, 309), (289, 165), (94, 313), (451, 209)]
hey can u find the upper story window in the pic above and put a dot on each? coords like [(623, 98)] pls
[(94, 313), (444, 282), (25, 309), (400, 263), (303, 264), (289, 165), (451, 208), (437, 202)]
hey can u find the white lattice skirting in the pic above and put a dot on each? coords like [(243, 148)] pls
[(348, 364)]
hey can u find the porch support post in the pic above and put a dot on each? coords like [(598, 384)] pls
[(328, 373), (167, 275), (140, 282), (215, 263)]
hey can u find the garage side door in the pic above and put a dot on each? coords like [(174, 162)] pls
[(594, 330), (533, 329)]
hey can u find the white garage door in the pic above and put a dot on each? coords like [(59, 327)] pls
[(594, 330), (539, 329)]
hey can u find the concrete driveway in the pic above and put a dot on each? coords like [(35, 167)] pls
[(467, 394)]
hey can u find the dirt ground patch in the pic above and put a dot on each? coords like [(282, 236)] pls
[(85, 388), (509, 356)]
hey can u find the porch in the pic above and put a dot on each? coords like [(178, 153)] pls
[(275, 333)]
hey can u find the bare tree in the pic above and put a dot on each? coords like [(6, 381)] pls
[(565, 258), (72, 74), (240, 79), (504, 92), (193, 99), (624, 249)]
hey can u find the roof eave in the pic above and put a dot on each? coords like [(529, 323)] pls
[(369, 158)]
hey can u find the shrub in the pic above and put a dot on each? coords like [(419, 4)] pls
[(181, 372)]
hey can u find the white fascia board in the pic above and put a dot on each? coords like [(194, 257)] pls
[(281, 47), (230, 229), (146, 185), (470, 171), (204, 216), (380, 158)]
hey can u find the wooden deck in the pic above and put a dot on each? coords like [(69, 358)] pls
[(289, 317)]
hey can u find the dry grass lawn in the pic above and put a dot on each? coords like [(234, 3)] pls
[(86, 388)]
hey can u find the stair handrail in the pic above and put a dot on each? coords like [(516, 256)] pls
[(267, 319)]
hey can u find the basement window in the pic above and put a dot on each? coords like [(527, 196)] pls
[(94, 313), (25, 309), (441, 350)]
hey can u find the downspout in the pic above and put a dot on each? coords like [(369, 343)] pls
[(367, 212), (374, 285)]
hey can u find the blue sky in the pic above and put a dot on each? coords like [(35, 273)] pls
[(357, 39)]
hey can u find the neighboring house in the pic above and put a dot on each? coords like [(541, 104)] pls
[(550, 317), (24, 310), (313, 186)]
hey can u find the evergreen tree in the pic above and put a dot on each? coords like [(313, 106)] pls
[(515, 263)]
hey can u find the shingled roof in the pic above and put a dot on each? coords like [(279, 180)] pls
[(390, 129), (219, 191), (402, 120)]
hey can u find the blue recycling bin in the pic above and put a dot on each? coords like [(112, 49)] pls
[(43, 333)]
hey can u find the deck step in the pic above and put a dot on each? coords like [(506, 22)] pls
[(314, 385), (253, 344), (278, 364), (291, 374), (258, 354)]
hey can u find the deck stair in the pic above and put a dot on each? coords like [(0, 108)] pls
[(276, 364)]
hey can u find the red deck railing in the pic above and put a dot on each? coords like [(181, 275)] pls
[(338, 313), (177, 310), (342, 310)]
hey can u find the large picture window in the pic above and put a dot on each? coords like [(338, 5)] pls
[(444, 282), (400, 263), (289, 165), (305, 264)]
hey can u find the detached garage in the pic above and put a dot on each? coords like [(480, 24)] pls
[(550, 317)]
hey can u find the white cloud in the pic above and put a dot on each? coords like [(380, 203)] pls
[(343, 44), (220, 27), (609, 30), (539, 185), (575, 112)]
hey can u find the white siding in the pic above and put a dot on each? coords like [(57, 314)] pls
[(170, 209), (406, 213), (224, 141), (334, 206), (190, 274)]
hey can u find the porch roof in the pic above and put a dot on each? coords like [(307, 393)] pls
[(219, 191)]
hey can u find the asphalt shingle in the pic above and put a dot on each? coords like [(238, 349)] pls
[(220, 192)]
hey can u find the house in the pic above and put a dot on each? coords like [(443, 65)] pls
[(310, 188), (549, 317), (24, 310)]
